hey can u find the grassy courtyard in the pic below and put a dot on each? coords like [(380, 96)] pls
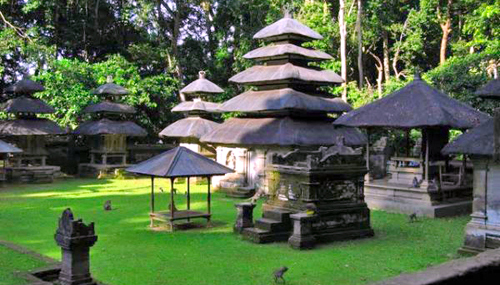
[(127, 252)]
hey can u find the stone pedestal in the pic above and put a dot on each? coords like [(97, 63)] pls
[(302, 236), (245, 216), (75, 239)]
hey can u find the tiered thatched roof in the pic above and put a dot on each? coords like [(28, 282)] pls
[(109, 107), (287, 29), (31, 126), (25, 86), (202, 86), (490, 90), (107, 126), (196, 106), (191, 127), (8, 148), (417, 105), (27, 105)]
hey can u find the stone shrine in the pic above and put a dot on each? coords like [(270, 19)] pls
[(75, 239), (24, 129), (320, 191), (482, 145)]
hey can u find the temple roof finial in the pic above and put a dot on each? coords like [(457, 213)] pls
[(287, 11), (109, 79), (201, 74)]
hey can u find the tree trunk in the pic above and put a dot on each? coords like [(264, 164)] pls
[(360, 43), (446, 28), (380, 69), (385, 47), (343, 43)]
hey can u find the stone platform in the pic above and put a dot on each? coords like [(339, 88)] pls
[(93, 170), (381, 194), (33, 174)]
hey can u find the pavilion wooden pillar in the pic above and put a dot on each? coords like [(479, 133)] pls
[(172, 205), (368, 176), (152, 194), (426, 156), (208, 195), (188, 197)]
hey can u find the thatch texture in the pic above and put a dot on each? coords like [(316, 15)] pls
[(283, 99), (287, 27), (179, 162), (202, 86), (476, 141), (284, 131), (25, 86), (268, 74), (109, 107), (490, 90), (191, 127), (197, 105), (24, 127), (110, 89), (8, 148), (417, 105), (106, 126), (286, 49), (27, 105)]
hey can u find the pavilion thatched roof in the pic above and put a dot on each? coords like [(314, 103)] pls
[(8, 148), (110, 89), (202, 86), (107, 126), (269, 74), (283, 131), (34, 126), (179, 162), (24, 104), (191, 127), (490, 90), (197, 105), (271, 51), (109, 107), (25, 86), (476, 141), (417, 105), (283, 99), (287, 28)]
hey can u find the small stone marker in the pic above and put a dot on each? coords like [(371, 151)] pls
[(245, 216), (75, 239)]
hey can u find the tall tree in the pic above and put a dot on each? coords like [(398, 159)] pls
[(343, 47), (360, 42), (444, 18)]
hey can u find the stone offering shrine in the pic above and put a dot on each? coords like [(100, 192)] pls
[(197, 123), (75, 239), (482, 145), (6, 150), (320, 192), (107, 131), (28, 132)]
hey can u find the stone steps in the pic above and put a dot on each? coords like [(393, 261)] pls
[(274, 226), (240, 192)]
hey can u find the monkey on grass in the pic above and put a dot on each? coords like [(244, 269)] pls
[(107, 205), (412, 218), (278, 274)]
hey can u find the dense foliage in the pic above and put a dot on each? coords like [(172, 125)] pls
[(154, 47)]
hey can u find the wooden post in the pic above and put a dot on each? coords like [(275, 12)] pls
[(367, 178), (407, 134), (208, 197), (426, 156), (188, 198), (172, 205), (152, 194)]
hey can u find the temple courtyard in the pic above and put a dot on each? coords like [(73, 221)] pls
[(129, 252)]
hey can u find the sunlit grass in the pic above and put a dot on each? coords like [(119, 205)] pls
[(128, 252)]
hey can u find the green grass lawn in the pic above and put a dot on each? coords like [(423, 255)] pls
[(12, 261), (127, 252)]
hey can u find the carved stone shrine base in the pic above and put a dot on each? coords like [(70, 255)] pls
[(380, 194)]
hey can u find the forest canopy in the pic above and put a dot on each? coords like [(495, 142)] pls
[(155, 47)]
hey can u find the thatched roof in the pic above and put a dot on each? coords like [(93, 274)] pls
[(179, 162), (8, 148), (197, 105), (268, 74), (27, 105), (110, 89), (277, 50), (25, 86), (282, 99), (202, 86), (287, 28), (109, 107), (283, 131), (191, 127), (490, 90), (417, 105), (106, 126), (478, 141), (24, 127)]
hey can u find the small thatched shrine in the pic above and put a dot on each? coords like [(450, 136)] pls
[(482, 145), (28, 132), (197, 123), (281, 144), (428, 184), (107, 131), (6, 150)]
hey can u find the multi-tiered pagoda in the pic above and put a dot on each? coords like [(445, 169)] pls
[(196, 124), (107, 131), (284, 143), (27, 131), (284, 110)]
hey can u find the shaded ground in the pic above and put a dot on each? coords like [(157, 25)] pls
[(127, 252)]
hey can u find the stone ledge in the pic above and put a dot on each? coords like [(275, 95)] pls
[(472, 270)]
